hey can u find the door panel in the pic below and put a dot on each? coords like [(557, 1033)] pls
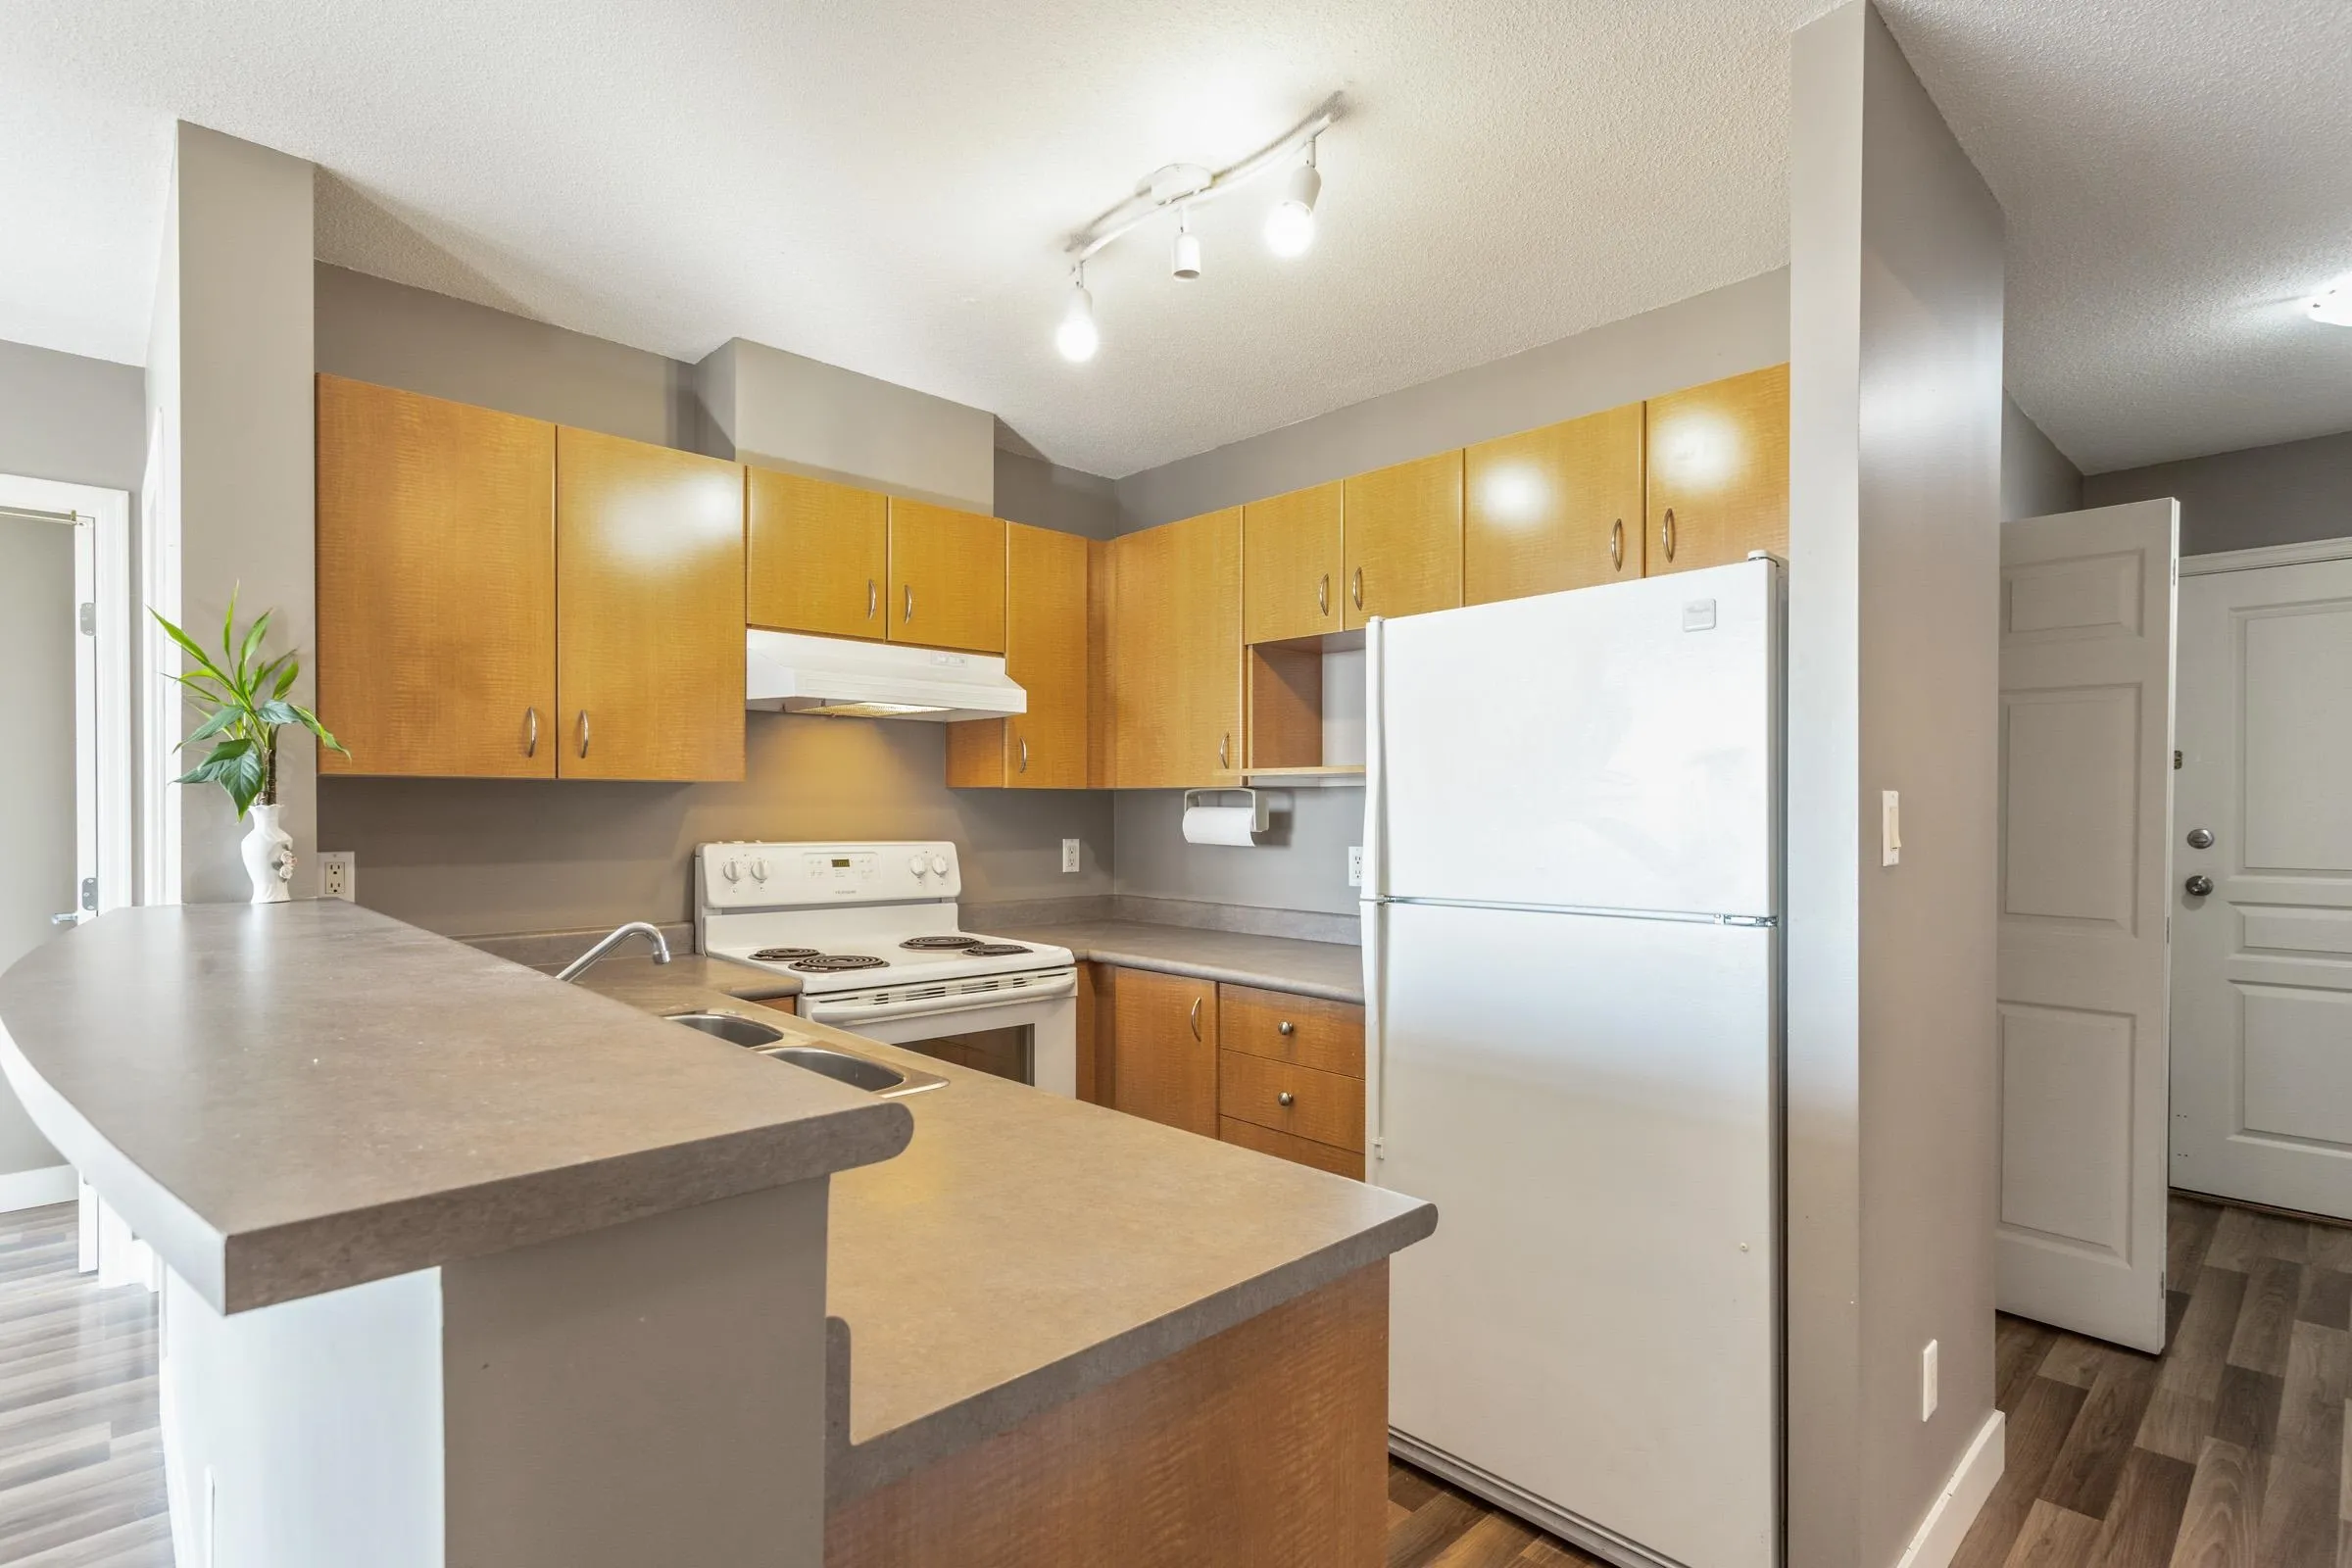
[(2262, 994), (1292, 561), (817, 555), (1719, 472), (2086, 776), (1165, 1046), (1045, 654), (649, 611), (1403, 539), (436, 599), (947, 577), (1553, 509), (1176, 633)]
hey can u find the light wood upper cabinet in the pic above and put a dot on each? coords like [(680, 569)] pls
[(1045, 654), (1292, 561), (1553, 509), (1404, 539), (649, 611), (436, 598), (1176, 654), (817, 555), (1719, 471), (1164, 1049), (947, 577)]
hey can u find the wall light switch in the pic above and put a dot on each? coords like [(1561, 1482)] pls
[(339, 875), (1069, 854), (1355, 866), (1927, 1381), (1890, 827)]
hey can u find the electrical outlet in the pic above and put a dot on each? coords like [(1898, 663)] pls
[(1927, 1381), (338, 875), (1069, 854), (1355, 866)]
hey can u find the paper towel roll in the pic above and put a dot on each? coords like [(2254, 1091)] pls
[(1219, 824)]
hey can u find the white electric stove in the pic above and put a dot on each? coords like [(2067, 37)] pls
[(871, 932)]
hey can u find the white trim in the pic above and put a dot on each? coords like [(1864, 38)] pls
[(1938, 1536), (2307, 553), (37, 1189)]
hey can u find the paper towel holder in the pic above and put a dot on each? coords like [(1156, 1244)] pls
[(1257, 799)]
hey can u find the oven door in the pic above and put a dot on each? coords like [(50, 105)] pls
[(1028, 1033)]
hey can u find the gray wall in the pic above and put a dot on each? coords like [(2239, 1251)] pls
[(2036, 479), (1045, 495), (37, 788), (2277, 495), (66, 418), (478, 857), (1891, 1139)]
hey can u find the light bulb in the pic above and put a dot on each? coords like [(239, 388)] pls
[(1290, 225), (2334, 305), (1076, 336)]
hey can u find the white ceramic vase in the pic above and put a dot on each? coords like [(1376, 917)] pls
[(269, 851)]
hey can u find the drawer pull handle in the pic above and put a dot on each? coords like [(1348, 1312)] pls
[(1285, 1027), (1285, 1098)]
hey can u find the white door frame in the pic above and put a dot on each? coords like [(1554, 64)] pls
[(103, 730)]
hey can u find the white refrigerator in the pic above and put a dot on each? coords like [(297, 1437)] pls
[(1572, 977)]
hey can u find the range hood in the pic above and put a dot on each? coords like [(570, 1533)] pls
[(838, 678)]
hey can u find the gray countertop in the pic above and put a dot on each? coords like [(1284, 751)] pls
[(1329, 969), (1026, 1248), (289, 1098)]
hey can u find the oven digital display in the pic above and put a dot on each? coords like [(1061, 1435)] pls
[(841, 862)]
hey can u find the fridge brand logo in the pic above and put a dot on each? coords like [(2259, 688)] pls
[(1698, 615)]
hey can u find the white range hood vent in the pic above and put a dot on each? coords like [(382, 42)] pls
[(837, 677)]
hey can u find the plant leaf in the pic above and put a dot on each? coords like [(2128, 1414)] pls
[(287, 676), (204, 662), (309, 721), (252, 644), (229, 624), (277, 712), (211, 727)]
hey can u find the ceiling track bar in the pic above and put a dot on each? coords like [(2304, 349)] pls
[(1146, 204)]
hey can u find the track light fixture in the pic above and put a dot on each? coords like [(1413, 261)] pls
[(1289, 225), (2333, 305)]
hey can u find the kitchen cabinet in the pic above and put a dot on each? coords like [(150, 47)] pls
[(1045, 654), (649, 611), (1719, 472), (1403, 539), (436, 585), (817, 554), (1176, 654), (1293, 565), (947, 577), (1553, 509), (1164, 1049)]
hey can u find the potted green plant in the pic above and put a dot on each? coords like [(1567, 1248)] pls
[(243, 699)]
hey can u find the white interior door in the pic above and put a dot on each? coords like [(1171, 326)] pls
[(2086, 783), (2262, 992)]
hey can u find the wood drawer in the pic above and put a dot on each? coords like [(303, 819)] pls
[(1327, 1036), (1288, 1145), (1325, 1107)]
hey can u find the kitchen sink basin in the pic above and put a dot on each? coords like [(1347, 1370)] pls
[(859, 1072), (728, 1026)]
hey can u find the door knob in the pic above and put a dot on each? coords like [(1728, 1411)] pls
[(2200, 838), (2198, 886)]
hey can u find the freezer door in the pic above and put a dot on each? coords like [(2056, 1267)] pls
[(1608, 747), (1590, 1102)]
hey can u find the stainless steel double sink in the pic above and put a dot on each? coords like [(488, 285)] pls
[(876, 1078)]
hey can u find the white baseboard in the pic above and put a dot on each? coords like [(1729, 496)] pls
[(33, 1189), (1940, 1533)]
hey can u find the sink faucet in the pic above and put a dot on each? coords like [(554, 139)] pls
[(635, 928)]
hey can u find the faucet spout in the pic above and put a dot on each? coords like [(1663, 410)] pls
[(635, 928)]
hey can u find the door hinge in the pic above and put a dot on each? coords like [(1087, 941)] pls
[(89, 893), (87, 617)]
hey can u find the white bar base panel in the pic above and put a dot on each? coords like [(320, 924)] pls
[(1577, 1531), (37, 1189), (1938, 1538)]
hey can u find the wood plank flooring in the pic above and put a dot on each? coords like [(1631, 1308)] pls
[(81, 1464)]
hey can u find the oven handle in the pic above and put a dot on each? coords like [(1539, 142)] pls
[(817, 1011)]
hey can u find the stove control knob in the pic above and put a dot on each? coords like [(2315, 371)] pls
[(758, 871), (734, 871), (918, 864), (939, 866)]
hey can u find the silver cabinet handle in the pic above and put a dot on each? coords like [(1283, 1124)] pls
[(873, 597), (530, 737), (1195, 1018), (2198, 886), (908, 613), (1323, 596), (1285, 1098), (1666, 533), (1617, 545), (1285, 1027), (1359, 587), (583, 732), (1024, 754), (1225, 750)]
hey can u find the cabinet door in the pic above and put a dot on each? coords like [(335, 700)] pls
[(1292, 564), (1404, 539), (947, 577), (1719, 472), (1176, 652), (817, 554), (436, 599), (1164, 1049), (1045, 654), (649, 611), (1553, 508)]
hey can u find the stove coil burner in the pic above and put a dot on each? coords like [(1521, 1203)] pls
[(838, 962), (938, 943), (781, 955), (996, 950)]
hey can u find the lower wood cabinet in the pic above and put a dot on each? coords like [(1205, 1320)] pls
[(1164, 1049)]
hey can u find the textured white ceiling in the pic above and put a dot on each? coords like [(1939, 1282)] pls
[(884, 185)]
